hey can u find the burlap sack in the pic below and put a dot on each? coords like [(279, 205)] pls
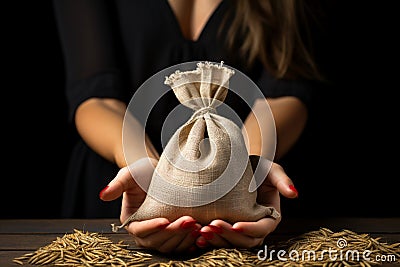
[(204, 170)]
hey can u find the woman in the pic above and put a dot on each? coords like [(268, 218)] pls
[(112, 47)]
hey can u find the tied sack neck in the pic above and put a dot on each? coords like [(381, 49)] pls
[(202, 89)]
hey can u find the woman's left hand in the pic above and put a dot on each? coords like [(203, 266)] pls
[(251, 234)]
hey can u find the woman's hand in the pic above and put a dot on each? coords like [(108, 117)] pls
[(159, 233), (251, 234), (164, 236), (132, 183)]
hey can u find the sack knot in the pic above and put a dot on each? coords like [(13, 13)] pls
[(204, 110)]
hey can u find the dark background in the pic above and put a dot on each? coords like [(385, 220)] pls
[(351, 147)]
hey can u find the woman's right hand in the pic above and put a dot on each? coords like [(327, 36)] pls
[(165, 236), (132, 183)]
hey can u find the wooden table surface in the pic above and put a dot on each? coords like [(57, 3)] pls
[(21, 236)]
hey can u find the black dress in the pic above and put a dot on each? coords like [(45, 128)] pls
[(110, 49)]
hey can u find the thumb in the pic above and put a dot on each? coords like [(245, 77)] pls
[(135, 176), (274, 173), (122, 182), (282, 182)]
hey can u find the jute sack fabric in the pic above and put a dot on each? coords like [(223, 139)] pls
[(204, 170)]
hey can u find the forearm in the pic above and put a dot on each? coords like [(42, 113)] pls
[(100, 124), (290, 117)]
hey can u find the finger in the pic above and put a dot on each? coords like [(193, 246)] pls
[(211, 233), (142, 229), (235, 237), (155, 240), (189, 239), (259, 229), (202, 243), (183, 237), (142, 171), (172, 242), (278, 177), (175, 230), (122, 182), (137, 175)]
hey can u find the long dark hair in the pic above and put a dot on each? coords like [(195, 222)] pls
[(276, 33)]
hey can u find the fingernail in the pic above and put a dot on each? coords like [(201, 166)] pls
[(201, 243), (294, 189), (215, 228), (103, 190), (195, 233), (237, 230), (188, 224), (207, 235)]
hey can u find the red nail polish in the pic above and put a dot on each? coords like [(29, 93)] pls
[(293, 189), (207, 235), (195, 233), (201, 243), (237, 230), (103, 190), (188, 224), (216, 229)]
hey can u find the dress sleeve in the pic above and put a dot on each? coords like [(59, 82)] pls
[(302, 89), (88, 44)]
